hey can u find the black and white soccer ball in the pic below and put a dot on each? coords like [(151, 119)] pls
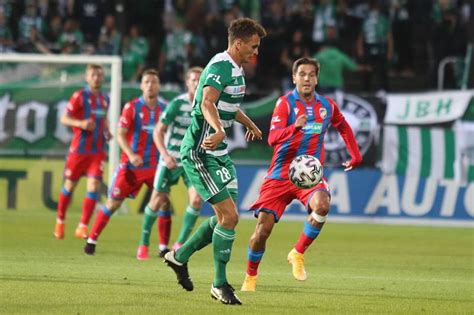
[(305, 171)]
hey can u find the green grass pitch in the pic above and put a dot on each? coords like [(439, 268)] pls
[(351, 269)]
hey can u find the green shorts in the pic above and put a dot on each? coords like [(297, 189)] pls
[(165, 178), (214, 177)]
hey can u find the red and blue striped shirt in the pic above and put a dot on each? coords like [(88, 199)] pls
[(289, 141), (83, 104), (140, 120)]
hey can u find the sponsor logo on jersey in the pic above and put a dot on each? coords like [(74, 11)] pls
[(215, 77), (276, 119), (148, 128), (99, 113), (313, 128)]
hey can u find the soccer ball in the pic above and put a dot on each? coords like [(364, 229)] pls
[(305, 171)]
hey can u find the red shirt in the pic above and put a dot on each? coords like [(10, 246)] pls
[(140, 120), (84, 105), (288, 141)]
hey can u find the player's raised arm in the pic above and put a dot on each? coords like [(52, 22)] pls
[(210, 113), (345, 130), (280, 131), (253, 132)]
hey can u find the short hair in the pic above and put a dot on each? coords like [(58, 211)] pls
[(306, 61), (244, 28), (94, 66), (193, 69), (151, 71)]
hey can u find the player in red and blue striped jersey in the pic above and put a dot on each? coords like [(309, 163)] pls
[(139, 154), (86, 113), (300, 120)]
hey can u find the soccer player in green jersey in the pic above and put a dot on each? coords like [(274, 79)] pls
[(205, 157), (168, 135)]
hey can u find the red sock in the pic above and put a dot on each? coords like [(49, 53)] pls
[(101, 220), (88, 207), (306, 238), (164, 227), (63, 203), (253, 260), (252, 267)]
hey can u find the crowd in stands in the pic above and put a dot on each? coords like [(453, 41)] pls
[(377, 38)]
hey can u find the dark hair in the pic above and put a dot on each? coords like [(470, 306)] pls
[(244, 28), (151, 71), (306, 61)]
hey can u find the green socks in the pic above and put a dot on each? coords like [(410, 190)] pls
[(222, 240), (190, 217), (149, 219), (201, 238)]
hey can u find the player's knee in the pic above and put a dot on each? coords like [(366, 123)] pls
[(321, 207)]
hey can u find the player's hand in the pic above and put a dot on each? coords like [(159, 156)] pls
[(211, 142), (87, 124), (253, 134), (136, 160), (348, 165), (170, 162), (301, 121)]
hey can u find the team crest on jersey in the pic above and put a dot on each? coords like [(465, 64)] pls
[(296, 111), (362, 118), (323, 112), (141, 115)]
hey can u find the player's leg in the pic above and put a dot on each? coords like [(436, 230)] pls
[(190, 217), (273, 198), (125, 183), (88, 206), (319, 208), (75, 167), (149, 218), (64, 200), (160, 187), (100, 222), (317, 203), (256, 249), (222, 241), (164, 222)]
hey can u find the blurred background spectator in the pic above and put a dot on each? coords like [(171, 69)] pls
[(401, 41)]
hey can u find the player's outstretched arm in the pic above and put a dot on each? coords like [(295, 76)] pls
[(347, 135), (210, 97), (159, 140), (135, 159), (253, 132)]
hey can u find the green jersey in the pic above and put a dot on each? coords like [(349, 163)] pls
[(227, 77), (177, 116)]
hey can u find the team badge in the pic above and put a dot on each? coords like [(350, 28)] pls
[(67, 172), (323, 112)]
